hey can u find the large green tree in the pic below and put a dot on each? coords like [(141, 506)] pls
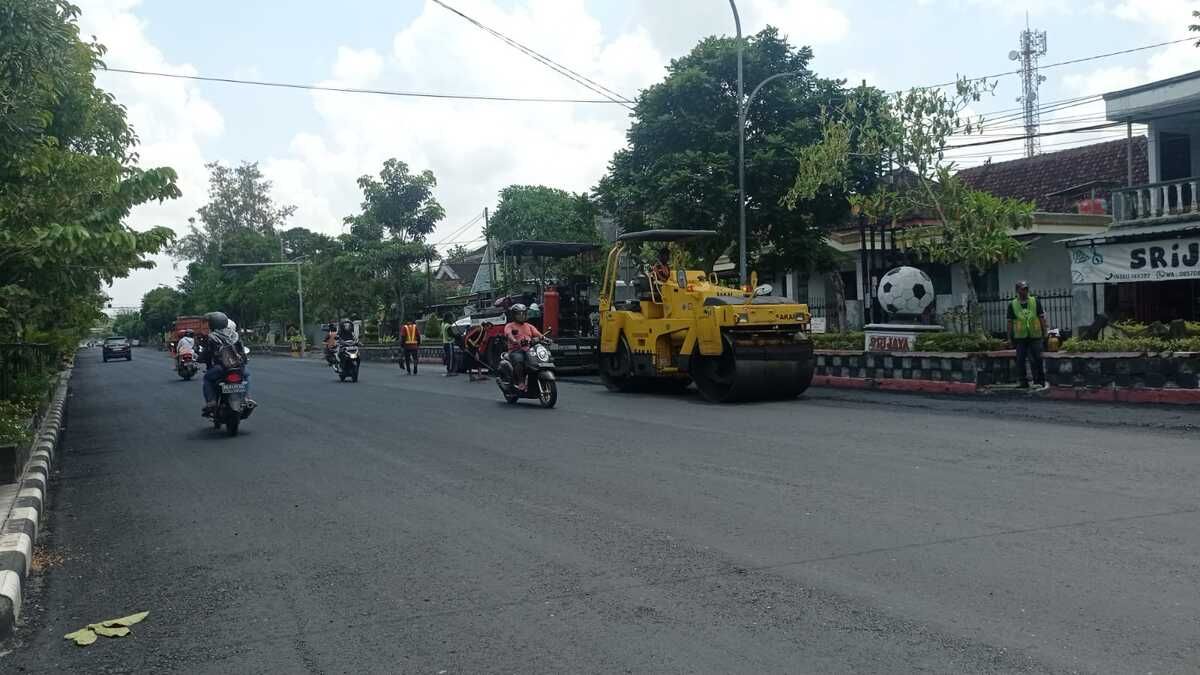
[(240, 223), (680, 167), (160, 306), (542, 213), (387, 238), (68, 178)]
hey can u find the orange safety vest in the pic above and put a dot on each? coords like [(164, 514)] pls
[(410, 334)]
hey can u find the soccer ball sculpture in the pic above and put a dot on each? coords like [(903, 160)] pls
[(905, 291)]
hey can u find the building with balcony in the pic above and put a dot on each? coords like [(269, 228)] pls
[(1146, 265)]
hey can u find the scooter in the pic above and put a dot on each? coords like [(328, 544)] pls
[(186, 366), (346, 361), (540, 381)]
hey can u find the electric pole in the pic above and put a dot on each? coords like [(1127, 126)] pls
[(1033, 45)]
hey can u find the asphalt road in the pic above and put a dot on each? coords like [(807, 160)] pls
[(420, 525)]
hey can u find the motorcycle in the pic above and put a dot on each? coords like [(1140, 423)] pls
[(186, 366), (346, 361), (540, 381), (232, 404)]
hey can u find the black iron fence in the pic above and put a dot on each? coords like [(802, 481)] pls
[(18, 361), (1056, 303)]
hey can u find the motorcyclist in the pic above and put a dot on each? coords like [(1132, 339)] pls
[(186, 344), (343, 336), (519, 334), (222, 331)]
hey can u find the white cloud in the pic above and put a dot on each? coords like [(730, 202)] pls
[(474, 148), (675, 25), (171, 118)]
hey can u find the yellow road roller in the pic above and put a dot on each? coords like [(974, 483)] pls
[(682, 326)]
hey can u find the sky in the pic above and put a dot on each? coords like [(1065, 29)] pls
[(314, 145)]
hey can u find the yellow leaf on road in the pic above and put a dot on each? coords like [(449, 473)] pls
[(126, 620), (82, 637), (112, 628)]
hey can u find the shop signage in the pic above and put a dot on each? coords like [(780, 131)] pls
[(1128, 261)]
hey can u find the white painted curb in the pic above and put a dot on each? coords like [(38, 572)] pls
[(21, 509)]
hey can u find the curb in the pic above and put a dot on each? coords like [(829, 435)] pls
[(1101, 395), (22, 505)]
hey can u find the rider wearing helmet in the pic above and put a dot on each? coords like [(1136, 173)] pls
[(221, 331), (519, 334), (186, 344)]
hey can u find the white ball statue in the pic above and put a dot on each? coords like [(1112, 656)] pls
[(905, 291)]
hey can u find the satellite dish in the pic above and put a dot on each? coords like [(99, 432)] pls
[(1014, 55)]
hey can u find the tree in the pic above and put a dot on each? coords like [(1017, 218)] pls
[(68, 178), (680, 167), (129, 324), (160, 306), (906, 139), (544, 214), (1195, 28), (387, 239), (240, 221), (457, 253)]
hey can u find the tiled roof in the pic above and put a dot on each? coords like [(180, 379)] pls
[(1034, 178)]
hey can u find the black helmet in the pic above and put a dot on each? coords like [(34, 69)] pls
[(517, 312), (217, 320), (188, 332)]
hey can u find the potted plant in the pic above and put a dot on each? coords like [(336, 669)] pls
[(296, 342)]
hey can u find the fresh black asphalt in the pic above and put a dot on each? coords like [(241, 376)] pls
[(420, 525)]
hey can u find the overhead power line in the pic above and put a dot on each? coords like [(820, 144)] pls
[(570, 74), (1058, 64), (355, 90), (1043, 134)]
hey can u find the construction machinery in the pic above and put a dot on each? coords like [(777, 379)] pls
[(736, 344)]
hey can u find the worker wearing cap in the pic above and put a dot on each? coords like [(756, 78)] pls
[(1026, 333)]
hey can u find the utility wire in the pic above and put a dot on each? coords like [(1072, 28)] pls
[(1062, 63), (545, 60), (354, 90), (460, 229)]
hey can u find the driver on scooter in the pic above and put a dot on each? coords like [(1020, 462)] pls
[(221, 331), (186, 344), (519, 334)]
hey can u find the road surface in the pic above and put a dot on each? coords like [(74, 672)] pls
[(420, 525)]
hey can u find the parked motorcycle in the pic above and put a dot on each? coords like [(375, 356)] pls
[(346, 361), (540, 381), (186, 366)]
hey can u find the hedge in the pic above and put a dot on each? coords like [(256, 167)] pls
[(956, 342), (842, 341), (1132, 344)]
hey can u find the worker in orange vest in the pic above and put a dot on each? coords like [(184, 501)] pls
[(410, 337)]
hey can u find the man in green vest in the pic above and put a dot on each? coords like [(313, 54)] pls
[(1026, 333)]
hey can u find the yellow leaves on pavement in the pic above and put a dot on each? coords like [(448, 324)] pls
[(112, 628)]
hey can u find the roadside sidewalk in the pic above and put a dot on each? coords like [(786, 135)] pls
[(22, 504), (1086, 394)]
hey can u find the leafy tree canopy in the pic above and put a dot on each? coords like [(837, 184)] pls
[(680, 167), (68, 178), (542, 213)]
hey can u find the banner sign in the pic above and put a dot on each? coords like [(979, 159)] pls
[(1127, 261)]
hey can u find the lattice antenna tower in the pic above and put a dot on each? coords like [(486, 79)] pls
[(1033, 46)]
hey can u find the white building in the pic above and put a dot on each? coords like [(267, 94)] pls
[(1147, 266)]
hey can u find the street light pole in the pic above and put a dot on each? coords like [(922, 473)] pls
[(737, 22), (742, 109), (298, 262)]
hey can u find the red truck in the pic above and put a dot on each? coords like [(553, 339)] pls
[(196, 323)]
